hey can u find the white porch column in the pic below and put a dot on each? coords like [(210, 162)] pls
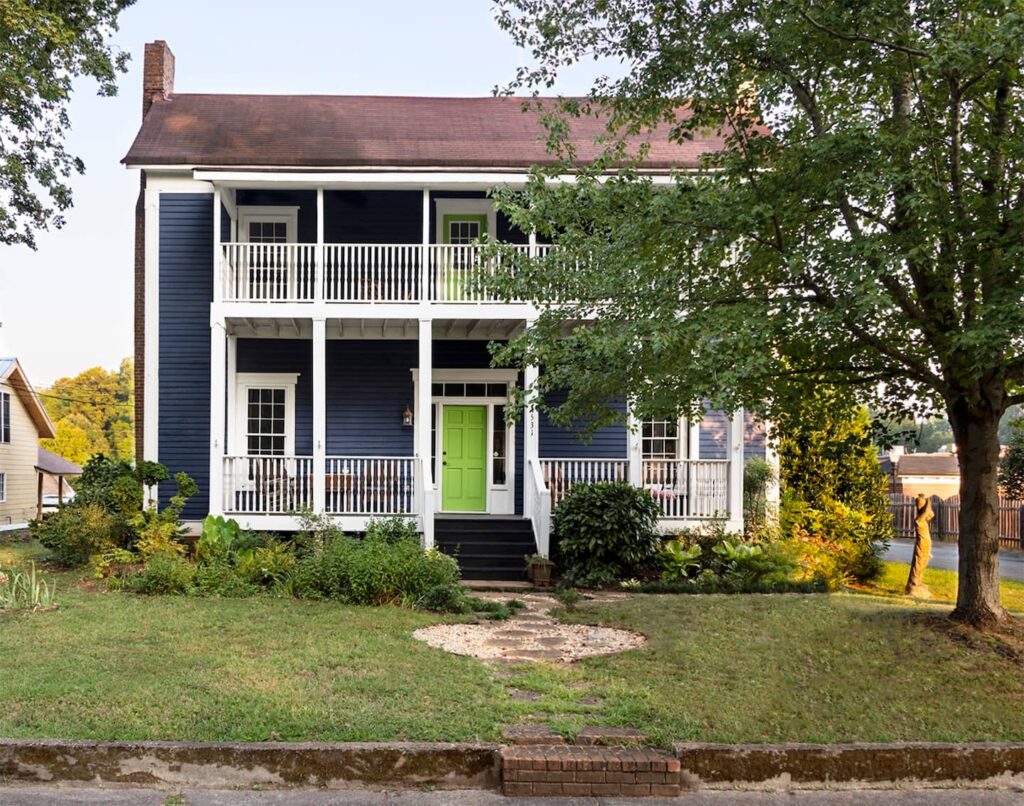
[(319, 277), (736, 469), (232, 381), (634, 449), (773, 494), (692, 454), (424, 389), (425, 251), (218, 350), (218, 262), (319, 414)]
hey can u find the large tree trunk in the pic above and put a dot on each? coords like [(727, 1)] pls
[(975, 422)]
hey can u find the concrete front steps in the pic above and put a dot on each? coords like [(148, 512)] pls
[(490, 547)]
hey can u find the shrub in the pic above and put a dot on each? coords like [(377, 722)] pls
[(757, 475), (316, 534), (165, 573), (266, 565), (75, 533), (834, 493), (392, 530), (679, 560), (221, 578), (218, 539), (605, 531)]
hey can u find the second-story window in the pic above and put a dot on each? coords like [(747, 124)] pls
[(5, 417)]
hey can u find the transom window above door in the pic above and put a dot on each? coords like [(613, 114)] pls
[(264, 224), (460, 230)]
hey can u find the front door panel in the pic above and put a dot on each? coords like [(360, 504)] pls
[(464, 459)]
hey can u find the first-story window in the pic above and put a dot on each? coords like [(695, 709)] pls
[(5, 417), (265, 423), (660, 439), (3, 487)]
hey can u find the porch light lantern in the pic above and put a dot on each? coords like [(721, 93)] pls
[(407, 417)]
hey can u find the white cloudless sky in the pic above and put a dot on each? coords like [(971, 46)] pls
[(68, 306)]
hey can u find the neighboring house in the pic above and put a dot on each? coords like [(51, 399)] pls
[(23, 422), (308, 332), (54, 489), (927, 473)]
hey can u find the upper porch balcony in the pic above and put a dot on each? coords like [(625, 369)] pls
[(280, 248), (360, 272)]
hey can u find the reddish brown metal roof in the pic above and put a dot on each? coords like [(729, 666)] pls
[(369, 131)]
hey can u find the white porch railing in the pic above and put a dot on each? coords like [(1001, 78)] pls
[(371, 485), (457, 273), (538, 506), (697, 488), (355, 272), (561, 475), (267, 485), (269, 272), (359, 272)]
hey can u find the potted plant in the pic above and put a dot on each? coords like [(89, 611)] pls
[(538, 568)]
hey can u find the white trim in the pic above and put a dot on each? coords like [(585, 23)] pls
[(264, 380), (176, 183), (470, 375), (467, 207), (319, 414), (254, 212), (151, 348), (258, 176)]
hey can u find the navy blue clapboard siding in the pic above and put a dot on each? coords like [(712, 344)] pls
[(373, 216), (186, 291), (714, 436), (608, 442)]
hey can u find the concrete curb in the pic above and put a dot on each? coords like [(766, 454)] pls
[(398, 765), (999, 764), (337, 766)]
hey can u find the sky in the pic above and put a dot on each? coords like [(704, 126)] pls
[(68, 306)]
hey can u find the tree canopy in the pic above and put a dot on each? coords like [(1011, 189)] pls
[(862, 228), (92, 414), (44, 46)]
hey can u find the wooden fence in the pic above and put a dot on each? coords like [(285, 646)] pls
[(946, 525)]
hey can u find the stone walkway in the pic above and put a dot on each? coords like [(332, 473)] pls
[(530, 635)]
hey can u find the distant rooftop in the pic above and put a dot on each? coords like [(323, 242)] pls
[(928, 464)]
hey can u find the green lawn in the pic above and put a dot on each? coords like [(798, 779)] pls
[(942, 584), (716, 668)]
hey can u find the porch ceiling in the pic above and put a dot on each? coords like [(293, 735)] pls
[(373, 328)]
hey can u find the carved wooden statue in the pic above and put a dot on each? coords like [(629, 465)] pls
[(922, 549)]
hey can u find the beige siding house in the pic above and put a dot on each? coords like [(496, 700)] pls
[(23, 422)]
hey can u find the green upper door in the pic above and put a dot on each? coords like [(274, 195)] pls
[(464, 459)]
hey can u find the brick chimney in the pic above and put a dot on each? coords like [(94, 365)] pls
[(157, 73)]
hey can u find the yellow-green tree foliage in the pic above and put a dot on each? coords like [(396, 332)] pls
[(92, 413)]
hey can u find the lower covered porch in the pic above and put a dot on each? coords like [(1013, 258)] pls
[(349, 428)]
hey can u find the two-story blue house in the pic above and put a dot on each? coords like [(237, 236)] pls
[(309, 333)]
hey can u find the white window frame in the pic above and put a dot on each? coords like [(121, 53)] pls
[(465, 207), (5, 397), (3, 486), (681, 442), (244, 381), (254, 212)]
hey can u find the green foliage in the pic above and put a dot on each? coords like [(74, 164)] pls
[(75, 533), (266, 566), (604, 531), (757, 476), (221, 578), (25, 590), (218, 538), (834, 500), (678, 560), (316, 533), (568, 597), (44, 47), (859, 228), (165, 573), (392, 530), (1011, 466), (93, 414)]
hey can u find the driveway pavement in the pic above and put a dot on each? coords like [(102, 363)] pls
[(944, 555), (45, 795)]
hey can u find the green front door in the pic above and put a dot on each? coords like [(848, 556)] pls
[(464, 459)]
